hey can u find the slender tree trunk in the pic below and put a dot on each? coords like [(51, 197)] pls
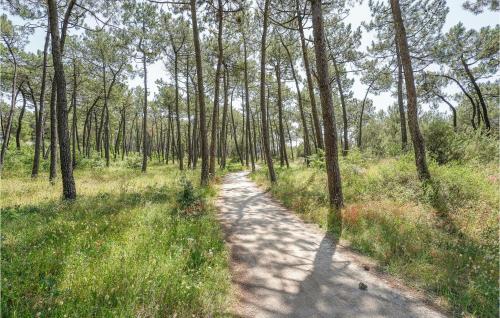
[(224, 118), (416, 136), (290, 141), (20, 122), (265, 128), (402, 119), (330, 131), (453, 110), (145, 114), (345, 148), (74, 127), (195, 129), (360, 130), (180, 152), (310, 85), (188, 102), (69, 188), (247, 101), (307, 149), (40, 119), (234, 131), (201, 96), (14, 92), (281, 130), (53, 132), (215, 111)]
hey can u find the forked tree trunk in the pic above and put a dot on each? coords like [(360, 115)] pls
[(69, 188)]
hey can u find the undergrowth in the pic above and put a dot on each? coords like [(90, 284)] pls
[(132, 245)]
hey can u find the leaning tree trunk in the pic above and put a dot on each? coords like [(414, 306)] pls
[(331, 148), (69, 189), (307, 149), (486, 118), (265, 128), (360, 129), (201, 96), (416, 136), (6, 134)]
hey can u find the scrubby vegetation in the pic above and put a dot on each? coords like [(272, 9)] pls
[(441, 236), (133, 245)]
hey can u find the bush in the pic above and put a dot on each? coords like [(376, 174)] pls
[(445, 145)]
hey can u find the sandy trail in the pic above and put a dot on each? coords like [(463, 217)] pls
[(283, 267)]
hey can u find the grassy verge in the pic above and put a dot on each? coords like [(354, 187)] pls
[(131, 245), (441, 238)]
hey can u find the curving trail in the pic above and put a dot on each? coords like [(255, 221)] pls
[(283, 267)]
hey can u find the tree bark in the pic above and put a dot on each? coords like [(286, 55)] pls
[(310, 85), (307, 149), (345, 148), (283, 154), (180, 152), (53, 132), (69, 188), (40, 119), (360, 130), (224, 118), (201, 96), (247, 101), (401, 106), (416, 136), (14, 91), (20, 122), (265, 128), (330, 130)]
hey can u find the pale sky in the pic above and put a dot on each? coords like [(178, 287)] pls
[(358, 14)]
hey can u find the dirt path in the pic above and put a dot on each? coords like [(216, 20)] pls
[(283, 267)]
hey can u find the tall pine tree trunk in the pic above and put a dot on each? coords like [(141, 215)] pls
[(201, 96), (265, 128), (331, 148), (416, 136)]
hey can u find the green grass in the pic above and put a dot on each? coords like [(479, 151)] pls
[(442, 237), (131, 245)]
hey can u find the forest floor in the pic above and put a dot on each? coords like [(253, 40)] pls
[(284, 267), (131, 245)]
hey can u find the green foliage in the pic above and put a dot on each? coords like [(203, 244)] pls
[(441, 236), (119, 250), (445, 145)]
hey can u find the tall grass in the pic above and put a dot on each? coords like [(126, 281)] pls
[(441, 237), (129, 246)]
